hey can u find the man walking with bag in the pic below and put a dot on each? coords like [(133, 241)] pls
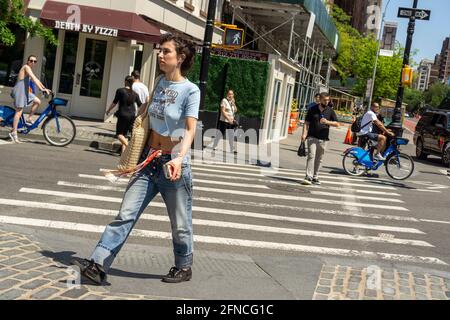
[(316, 132)]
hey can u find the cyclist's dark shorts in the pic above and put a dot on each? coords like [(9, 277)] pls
[(372, 136)]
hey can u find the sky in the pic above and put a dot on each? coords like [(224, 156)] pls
[(428, 35)]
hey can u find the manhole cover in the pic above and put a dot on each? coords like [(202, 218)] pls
[(288, 188)]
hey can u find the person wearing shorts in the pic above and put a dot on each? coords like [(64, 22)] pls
[(126, 114), (23, 95), (369, 131)]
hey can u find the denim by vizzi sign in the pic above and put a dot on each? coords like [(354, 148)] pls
[(86, 28)]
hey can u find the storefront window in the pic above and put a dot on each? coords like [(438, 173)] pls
[(11, 58), (68, 63), (138, 60), (93, 68), (48, 63), (274, 109)]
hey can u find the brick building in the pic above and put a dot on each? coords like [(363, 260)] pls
[(358, 10)]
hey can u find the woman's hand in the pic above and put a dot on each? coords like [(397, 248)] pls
[(176, 168)]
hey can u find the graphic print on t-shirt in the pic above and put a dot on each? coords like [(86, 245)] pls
[(162, 100)]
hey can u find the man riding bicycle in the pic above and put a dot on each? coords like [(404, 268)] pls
[(368, 130)]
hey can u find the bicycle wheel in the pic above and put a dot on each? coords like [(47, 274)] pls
[(399, 167), (59, 131), (352, 166)]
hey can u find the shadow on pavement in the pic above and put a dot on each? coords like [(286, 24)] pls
[(65, 258)]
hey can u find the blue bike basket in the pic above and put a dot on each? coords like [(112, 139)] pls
[(402, 141), (59, 102)]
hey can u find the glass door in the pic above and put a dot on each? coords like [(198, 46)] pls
[(91, 78), (274, 109), (286, 111)]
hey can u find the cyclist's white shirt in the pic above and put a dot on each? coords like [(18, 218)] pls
[(370, 116)]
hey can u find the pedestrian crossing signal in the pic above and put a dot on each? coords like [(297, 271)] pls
[(407, 76), (233, 38)]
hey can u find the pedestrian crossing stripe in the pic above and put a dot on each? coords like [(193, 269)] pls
[(330, 194), (81, 227), (298, 173), (262, 181), (324, 181), (218, 224), (228, 212), (281, 206), (228, 165)]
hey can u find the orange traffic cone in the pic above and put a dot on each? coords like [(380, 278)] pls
[(348, 137)]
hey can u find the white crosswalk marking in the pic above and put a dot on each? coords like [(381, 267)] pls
[(253, 209), (195, 169), (218, 224), (234, 192), (263, 181), (119, 189), (227, 241), (5, 142), (229, 212)]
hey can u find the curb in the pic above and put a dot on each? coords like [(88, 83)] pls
[(112, 146)]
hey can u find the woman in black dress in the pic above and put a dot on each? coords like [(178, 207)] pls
[(126, 114)]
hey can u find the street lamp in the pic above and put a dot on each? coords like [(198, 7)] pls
[(372, 85), (396, 124), (206, 52)]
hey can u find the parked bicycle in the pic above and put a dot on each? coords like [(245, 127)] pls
[(58, 130), (399, 166)]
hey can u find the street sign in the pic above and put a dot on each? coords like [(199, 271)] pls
[(420, 14), (386, 53)]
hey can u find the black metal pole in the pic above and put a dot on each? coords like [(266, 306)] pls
[(396, 124), (206, 52)]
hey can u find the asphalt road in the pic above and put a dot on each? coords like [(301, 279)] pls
[(239, 209)]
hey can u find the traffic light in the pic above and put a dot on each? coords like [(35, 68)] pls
[(233, 38), (407, 76)]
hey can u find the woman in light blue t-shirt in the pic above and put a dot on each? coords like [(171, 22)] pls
[(173, 113)]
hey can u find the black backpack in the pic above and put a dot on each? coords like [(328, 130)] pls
[(356, 126)]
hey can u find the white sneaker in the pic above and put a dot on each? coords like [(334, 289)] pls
[(378, 156), (14, 137)]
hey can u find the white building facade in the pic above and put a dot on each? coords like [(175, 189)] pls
[(423, 74)]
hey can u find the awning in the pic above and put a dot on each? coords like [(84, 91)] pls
[(94, 20)]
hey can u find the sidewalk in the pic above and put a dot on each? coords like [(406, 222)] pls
[(94, 134), (27, 274)]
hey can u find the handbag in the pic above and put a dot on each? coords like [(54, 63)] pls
[(141, 130), (302, 150), (130, 157)]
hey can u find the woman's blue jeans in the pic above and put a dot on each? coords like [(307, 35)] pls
[(141, 190)]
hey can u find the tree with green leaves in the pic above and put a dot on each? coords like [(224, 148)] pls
[(356, 59), (414, 99), (13, 12), (436, 94)]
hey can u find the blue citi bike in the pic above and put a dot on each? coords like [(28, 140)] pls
[(358, 161), (58, 130)]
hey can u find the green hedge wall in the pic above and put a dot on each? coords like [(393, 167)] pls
[(247, 78)]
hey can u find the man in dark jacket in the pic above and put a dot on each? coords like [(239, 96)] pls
[(316, 132)]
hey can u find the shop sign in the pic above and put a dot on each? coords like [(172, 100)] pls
[(241, 54), (86, 28)]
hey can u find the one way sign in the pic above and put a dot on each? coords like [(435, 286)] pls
[(420, 14)]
